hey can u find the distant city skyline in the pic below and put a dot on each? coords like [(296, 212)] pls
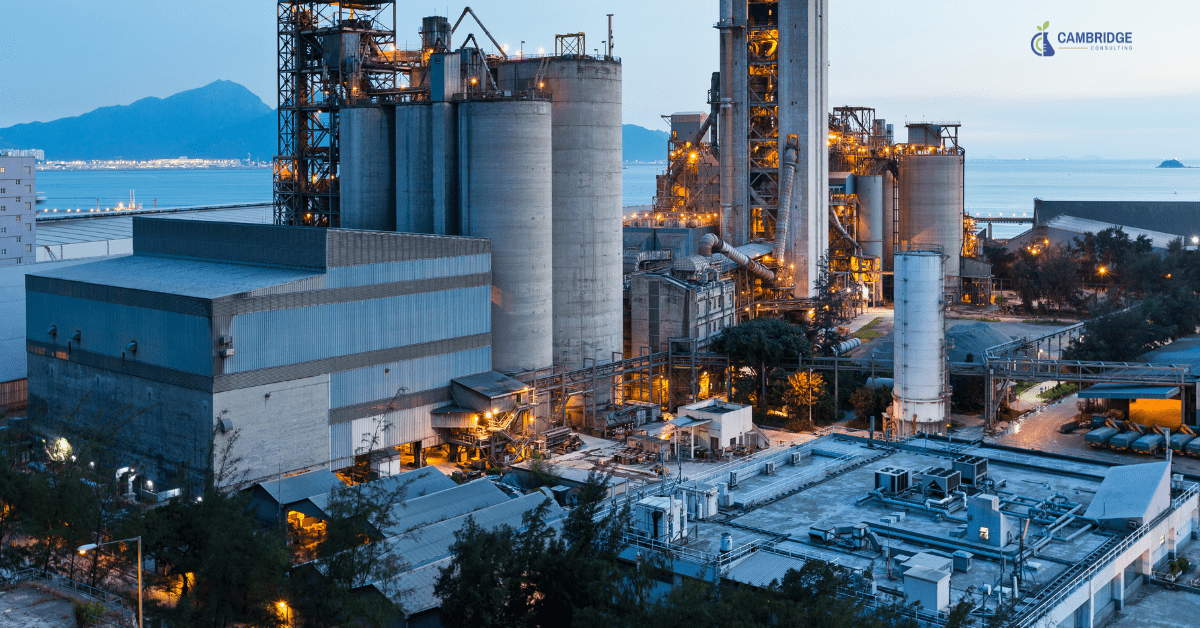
[(935, 59)]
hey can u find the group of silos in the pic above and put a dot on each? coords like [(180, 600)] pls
[(528, 157), (927, 269)]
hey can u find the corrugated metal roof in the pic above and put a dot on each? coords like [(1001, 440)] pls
[(1122, 391), (292, 489), (103, 227), (688, 421), (491, 384), (760, 568), (191, 278), (446, 504), (419, 482), (12, 312), (432, 543), (417, 594), (1084, 225)]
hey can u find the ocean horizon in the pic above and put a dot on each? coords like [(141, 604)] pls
[(994, 187)]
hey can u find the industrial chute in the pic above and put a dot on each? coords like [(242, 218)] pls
[(712, 243)]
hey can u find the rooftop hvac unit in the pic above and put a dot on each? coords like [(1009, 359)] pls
[(893, 479), (972, 468), (733, 479), (941, 482), (769, 468), (796, 458)]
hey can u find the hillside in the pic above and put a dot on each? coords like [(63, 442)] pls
[(220, 120), (642, 144)]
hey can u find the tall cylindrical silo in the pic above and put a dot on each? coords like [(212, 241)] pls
[(870, 213), (931, 206), (586, 96), (426, 168), (920, 394), (366, 174), (890, 204), (505, 179)]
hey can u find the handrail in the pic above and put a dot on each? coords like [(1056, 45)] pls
[(1034, 614)]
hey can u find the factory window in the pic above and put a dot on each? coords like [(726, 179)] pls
[(18, 238), (18, 217), (984, 533), (28, 248), (29, 226), (27, 171), (3, 190), (29, 188), (28, 206), (3, 229), (1, 169)]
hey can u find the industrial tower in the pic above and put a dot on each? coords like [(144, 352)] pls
[(331, 55), (772, 132)]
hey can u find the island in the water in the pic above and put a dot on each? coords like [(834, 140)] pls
[(1172, 163)]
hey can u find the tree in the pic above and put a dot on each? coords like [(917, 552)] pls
[(534, 577), (760, 344), (871, 401), (830, 308), (805, 390)]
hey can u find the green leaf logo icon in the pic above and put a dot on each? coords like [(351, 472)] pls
[(1046, 26)]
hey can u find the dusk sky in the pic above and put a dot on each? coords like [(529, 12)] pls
[(927, 59)]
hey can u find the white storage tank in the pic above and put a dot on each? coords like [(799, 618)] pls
[(921, 392), (505, 195), (931, 206)]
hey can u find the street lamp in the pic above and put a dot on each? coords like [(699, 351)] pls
[(84, 549)]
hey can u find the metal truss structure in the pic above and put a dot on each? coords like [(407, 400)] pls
[(331, 55), (762, 103)]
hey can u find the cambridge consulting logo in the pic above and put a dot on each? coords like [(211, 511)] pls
[(1041, 42)]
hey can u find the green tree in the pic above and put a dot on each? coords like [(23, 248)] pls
[(831, 308), (871, 402), (804, 390), (760, 345)]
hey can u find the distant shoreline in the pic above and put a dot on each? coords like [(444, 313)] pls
[(147, 168)]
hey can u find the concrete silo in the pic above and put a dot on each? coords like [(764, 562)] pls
[(870, 190), (586, 97), (921, 393), (366, 141), (504, 174), (426, 168)]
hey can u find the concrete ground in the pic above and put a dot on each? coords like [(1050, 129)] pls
[(30, 607), (1155, 607), (1039, 430)]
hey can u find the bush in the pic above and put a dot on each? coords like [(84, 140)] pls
[(86, 612)]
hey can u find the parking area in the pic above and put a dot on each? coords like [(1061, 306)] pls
[(30, 607)]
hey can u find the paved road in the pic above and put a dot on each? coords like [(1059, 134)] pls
[(1039, 430)]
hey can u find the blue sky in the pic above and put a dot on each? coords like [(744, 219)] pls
[(917, 59)]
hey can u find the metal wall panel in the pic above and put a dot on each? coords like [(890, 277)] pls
[(411, 270), (386, 380), (339, 441), (267, 245), (381, 432), (276, 338), (169, 339)]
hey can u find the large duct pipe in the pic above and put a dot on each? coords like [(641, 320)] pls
[(712, 243), (791, 155)]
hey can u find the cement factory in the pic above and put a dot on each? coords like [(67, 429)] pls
[(451, 272)]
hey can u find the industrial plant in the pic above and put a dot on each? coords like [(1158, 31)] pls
[(450, 278)]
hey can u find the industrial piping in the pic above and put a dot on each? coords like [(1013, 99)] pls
[(791, 155), (712, 243)]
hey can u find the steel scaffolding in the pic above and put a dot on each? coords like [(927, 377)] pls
[(330, 54)]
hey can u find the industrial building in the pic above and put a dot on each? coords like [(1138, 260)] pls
[(1058, 541), (315, 347), (454, 141), (18, 201), (1062, 231), (1172, 217)]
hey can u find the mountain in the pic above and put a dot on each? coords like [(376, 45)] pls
[(220, 120), (642, 144)]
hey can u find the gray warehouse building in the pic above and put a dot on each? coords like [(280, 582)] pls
[(305, 342)]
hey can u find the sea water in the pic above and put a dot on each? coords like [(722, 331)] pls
[(993, 187)]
